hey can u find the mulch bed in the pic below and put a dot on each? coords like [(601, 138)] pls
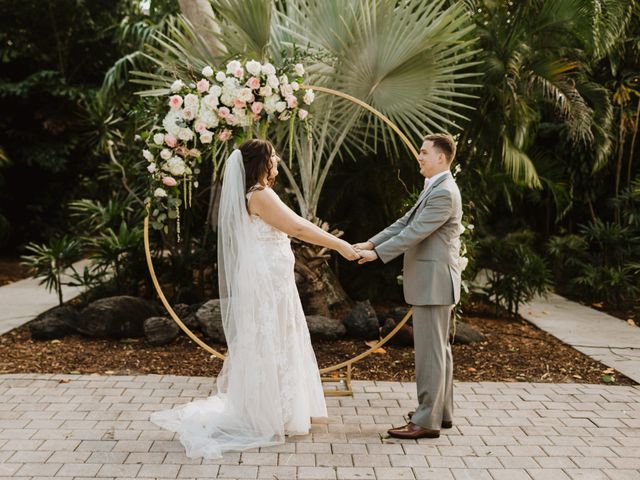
[(12, 271), (514, 350)]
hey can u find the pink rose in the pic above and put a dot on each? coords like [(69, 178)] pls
[(194, 152), (253, 83), (224, 112), (256, 107), (302, 113), (169, 181), (239, 103), (238, 72), (292, 101), (170, 140), (200, 126), (175, 101), (224, 135), (202, 85)]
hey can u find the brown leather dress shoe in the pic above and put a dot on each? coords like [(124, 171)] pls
[(413, 431), (445, 423)]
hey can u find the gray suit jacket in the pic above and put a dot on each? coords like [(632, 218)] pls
[(429, 237)]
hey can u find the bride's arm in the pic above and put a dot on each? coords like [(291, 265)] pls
[(266, 204)]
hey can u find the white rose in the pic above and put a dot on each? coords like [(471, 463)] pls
[(188, 114), (147, 155), (169, 122), (191, 101), (268, 69), (207, 71), (206, 136), (265, 91), (232, 66), (185, 134), (210, 101), (230, 84), (309, 96), (284, 79), (253, 67), (215, 90), (158, 138), (270, 103), (245, 95), (195, 184), (177, 85), (165, 154), (159, 192), (280, 106), (286, 89), (176, 166), (220, 76), (462, 263), (227, 99), (295, 86), (273, 81), (151, 167), (299, 69), (285, 115)]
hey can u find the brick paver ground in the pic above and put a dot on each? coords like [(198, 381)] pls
[(90, 426)]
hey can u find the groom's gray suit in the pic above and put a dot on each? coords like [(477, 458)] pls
[(429, 237)]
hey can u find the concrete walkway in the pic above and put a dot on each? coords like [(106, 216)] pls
[(92, 426), (24, 300), (605, 338)]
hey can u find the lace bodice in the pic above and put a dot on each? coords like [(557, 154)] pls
[(265, 231)]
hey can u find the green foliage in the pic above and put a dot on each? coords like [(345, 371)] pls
[(50, 261), (516, 273), (600, 263)]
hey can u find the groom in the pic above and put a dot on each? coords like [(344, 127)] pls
[(429, 237)]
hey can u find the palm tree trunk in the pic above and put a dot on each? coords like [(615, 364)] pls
[(619, 162), (633, 142), (200, 14)]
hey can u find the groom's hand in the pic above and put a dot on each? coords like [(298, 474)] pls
[(363, 246), (367, 256)]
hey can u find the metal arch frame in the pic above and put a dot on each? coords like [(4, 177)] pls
[(345, 377)]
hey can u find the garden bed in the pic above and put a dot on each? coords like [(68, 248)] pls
[(11, 270), (514, 350)]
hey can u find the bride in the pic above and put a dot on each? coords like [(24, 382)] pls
[(269, 385)]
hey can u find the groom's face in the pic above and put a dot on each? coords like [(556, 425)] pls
[(431, 160)]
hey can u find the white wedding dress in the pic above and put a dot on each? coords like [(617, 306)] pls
[(269, 385)]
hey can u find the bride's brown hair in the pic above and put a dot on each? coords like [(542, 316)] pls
[(256, 157)]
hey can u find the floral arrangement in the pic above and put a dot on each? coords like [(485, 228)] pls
[(218, 107)]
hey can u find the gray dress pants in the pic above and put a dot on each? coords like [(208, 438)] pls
[(434, 365)]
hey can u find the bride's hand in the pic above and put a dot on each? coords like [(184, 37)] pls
[(348, 252)]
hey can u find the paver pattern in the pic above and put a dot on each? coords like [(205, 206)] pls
[(96, 426)]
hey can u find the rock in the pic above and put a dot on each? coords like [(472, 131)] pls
[(210, 319), (116, 317), (160, 330), (403, 337), (325, 328), (399, 313), (187, 316), (362, 322), (55, 323), (466, 334)]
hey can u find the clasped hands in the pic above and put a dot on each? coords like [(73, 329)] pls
[(362, 252)]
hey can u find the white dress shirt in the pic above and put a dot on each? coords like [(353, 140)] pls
[(429, 181)]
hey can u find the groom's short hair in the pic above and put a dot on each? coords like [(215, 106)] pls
[(443, 142)]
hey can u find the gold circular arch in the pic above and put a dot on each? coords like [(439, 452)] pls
[(347, 363)]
